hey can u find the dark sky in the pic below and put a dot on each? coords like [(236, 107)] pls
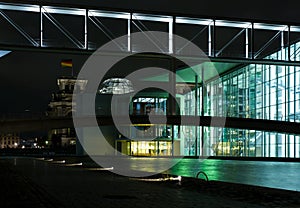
[(29, 78)]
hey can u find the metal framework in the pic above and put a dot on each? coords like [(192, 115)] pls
[(248, 40)]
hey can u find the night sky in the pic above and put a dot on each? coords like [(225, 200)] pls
[(29, 78)]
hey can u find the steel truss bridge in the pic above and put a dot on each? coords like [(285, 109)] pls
[(82, 30)]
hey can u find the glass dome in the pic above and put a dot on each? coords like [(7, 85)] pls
[(116, 86)]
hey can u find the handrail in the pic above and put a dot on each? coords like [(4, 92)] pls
[(203, 173)]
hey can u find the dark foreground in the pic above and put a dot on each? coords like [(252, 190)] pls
[(30, 182)]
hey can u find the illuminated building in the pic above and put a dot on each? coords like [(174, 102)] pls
[(61, 106), (258, 64), (259, 91), (9, 140)]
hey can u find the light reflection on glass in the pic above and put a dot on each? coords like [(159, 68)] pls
[(116, 86)]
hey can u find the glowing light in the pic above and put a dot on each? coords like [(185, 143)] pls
[(159, 179), (3, 53), (193, 21), (224, 23), (295, 29), (64, 10), (74, 164), (142, 124), (62, 161), (20, 7), (111, 168), (118, 15), (157, 18), (270, 27)]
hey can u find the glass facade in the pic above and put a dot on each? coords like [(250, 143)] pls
[(254, 91), (257, 91)]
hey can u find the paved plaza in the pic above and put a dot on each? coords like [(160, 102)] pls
[(32, 182)]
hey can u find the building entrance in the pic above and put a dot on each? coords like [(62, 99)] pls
[(145, 148)]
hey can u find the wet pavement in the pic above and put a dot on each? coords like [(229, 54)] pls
[(281, 175), (49, 183)]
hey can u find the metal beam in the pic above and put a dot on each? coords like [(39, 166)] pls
[(191, 58), (24, 125)]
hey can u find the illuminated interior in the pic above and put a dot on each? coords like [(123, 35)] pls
[(259, 91), (151, 148), (145, 148)]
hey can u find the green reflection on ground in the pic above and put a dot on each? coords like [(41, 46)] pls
[(190, 168)]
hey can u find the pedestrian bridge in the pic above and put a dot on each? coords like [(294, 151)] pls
[(83, 29), (43, 123)]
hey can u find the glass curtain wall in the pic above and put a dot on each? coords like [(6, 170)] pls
[(255, 91), (191, 135)]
